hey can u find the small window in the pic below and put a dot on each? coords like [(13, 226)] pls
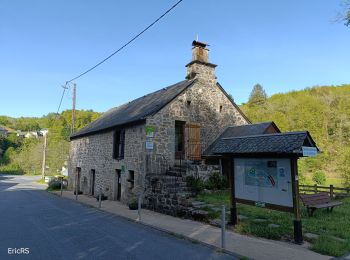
[(220, 108), (119, 144), (188, 103), (131, 179)]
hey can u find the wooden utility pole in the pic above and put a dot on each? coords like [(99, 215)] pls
[(73, 109), (44, 157)]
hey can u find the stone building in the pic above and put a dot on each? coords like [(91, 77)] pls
[(147, 145)]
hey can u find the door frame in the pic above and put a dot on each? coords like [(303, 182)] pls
[(180, 155), (117, 180)]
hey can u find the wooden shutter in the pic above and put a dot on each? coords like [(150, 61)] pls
[(122, 143), (194, 149)]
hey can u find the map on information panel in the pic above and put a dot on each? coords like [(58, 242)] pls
[(261, 174)]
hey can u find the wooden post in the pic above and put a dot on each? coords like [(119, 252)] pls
[(233, 210), (43, 166), (331, 191), (315, 189), (298, 235), (73, 107)]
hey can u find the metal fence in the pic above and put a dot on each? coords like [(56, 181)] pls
[(156, 164)]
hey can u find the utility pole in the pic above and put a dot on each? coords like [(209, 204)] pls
[(44, 157), (73, 109)]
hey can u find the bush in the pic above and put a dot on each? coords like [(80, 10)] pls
[(319, 177), (196, 184), (216, 181), (133, 205), (54, 185), (12, 169)]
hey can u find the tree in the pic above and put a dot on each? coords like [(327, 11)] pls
[(344, 16), (257, 96)]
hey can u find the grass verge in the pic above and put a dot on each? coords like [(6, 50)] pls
[(332, 228)]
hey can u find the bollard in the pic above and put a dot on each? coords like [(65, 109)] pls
[(223, 227), (61, 186), (99, 198), (139, 208), (76, 192)]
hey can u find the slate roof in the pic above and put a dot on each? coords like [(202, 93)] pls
[(136, 110), (242, 130), (274, 144)]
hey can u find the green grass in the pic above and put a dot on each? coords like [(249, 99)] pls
[(41, 181), (327, 225)]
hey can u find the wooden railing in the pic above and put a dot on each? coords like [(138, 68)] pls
[(331, 190)]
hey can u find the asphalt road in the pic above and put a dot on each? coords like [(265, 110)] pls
[(37, 225)]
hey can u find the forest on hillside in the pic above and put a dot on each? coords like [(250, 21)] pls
[(324, 112), (24, 155)]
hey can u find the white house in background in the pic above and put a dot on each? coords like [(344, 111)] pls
[(64, 171), (44, 131), (31, 134)]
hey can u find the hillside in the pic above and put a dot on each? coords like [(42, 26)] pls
[(325, 113), (24, 155)]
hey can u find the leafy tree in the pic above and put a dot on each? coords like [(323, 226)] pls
[(257, 96), (319, 177), (325, 113)]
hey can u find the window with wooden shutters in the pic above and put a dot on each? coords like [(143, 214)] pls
[(119, 144), (194, 147)]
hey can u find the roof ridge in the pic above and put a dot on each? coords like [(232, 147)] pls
[(272, 134), (260, 123)]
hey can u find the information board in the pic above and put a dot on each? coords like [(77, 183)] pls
[(264, 181)]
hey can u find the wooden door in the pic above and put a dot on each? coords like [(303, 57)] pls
[(194, 146)]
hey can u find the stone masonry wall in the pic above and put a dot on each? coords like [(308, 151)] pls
[(205, 100), (96, 152)]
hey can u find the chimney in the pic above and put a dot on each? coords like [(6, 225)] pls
[(200, 67)]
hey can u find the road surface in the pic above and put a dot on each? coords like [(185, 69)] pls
[(37, 225)]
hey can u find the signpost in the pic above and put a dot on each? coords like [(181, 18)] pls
[(149, 137), (267, 183), (309, 151)]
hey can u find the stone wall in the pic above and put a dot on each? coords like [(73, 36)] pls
[(209, 107), (96, 152)]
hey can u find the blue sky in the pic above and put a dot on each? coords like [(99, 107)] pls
[(283, 45)]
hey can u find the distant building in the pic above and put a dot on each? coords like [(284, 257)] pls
[(3, 132), (31, 134), (44, 132)]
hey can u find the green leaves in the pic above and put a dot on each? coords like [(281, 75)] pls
[(324, 112)]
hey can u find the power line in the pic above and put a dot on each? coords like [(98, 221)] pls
[(66, 86), (126, 44), (59, 106)]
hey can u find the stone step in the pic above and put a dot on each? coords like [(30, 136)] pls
[(178, 169), (198, 204), (174, 173)]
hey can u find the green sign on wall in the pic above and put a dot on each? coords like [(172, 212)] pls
[(149, 130)]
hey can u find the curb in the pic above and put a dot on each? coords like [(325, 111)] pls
[(174, 234)]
